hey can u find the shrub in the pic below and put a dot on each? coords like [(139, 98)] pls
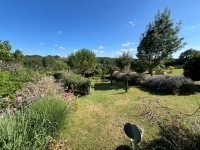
[(171, 68), (33, 128), (174, 84), (137, 78), (38, 88), (12, 78), (177, 131), (159, 71), (191, 67), (77, 83), (139, 66)]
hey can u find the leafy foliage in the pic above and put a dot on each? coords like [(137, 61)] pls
[(139, 66), (123, 61), (186, 54), (7, 55), (160, 40), (174, 84), (191, 67), (35, 127), (83, 60), (12, 78), (76, 83)]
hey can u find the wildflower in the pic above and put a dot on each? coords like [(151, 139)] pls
[(19, 99), (10, 111), (19, 93), (42, 95), (1, 116), (32, 79)]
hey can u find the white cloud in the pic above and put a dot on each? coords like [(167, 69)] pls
[(41, 43), (132, 49), (132, 24), (118, 53), (61, 47), (100, 47), (127, 43), (101, 52), (192, 26), (59, 32), (55, 45), (123, 50), (75, 50), (95, 51)]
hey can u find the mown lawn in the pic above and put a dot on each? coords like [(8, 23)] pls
[(98, 122)]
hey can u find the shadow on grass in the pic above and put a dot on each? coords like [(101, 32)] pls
[(152, 91), (107, 86), (188, 90), (156, 144), (123, 147)]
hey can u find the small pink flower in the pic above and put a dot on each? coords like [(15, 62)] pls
[(19, 93), (3, 99), (19, 99), (10, 111), (42, 95), (32, 79), (54, 81)]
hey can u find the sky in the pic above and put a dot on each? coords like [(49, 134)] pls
[(106, 27)]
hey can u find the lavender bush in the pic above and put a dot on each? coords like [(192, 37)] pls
[(174, 84)]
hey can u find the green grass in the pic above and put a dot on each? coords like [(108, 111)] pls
[(99, 120), (177, 72)]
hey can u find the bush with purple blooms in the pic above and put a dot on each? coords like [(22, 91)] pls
[(173, 84)]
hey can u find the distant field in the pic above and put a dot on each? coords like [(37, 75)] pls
[(100, 117)]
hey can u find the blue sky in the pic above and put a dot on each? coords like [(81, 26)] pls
[(107, 27)]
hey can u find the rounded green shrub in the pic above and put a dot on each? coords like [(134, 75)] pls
[(191, 67)]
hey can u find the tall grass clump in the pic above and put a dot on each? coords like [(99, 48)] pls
[(34, 127)]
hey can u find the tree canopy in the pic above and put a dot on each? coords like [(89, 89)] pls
[(124, 60), (83, 60), (160, 40), (191, 67), (7, 55)]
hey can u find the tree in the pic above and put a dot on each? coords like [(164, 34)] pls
[(123, 61), (160, 40), (191, 67), (5, 51), (18, 56), (6, 55), (83, 60), (186, 54), (139, 66)]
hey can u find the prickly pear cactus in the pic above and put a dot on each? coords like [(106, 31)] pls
[(133, 132)]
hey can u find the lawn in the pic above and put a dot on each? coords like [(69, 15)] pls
[(100, 117)]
